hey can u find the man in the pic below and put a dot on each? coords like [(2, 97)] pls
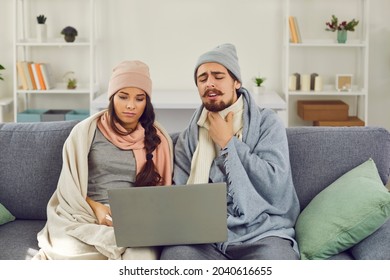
[(230, 139)]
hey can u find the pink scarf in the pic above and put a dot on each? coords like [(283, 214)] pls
[(135, 141)]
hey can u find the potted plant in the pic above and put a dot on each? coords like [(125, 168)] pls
[(1, 68), (258, 86), (41, 28), (69, 33), (341, 28), (72, 83)]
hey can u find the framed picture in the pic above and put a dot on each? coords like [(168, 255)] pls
[(344, 82)]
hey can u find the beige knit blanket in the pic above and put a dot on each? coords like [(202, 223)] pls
[(71, 231)]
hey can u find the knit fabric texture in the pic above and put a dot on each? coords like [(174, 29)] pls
[(130, 74), (225, 55)]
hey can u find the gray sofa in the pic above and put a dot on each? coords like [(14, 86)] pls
[(30, 163)]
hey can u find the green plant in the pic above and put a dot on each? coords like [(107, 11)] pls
[(259, 80), (72, 83), (1, 68), (334, 25), (41, 19)]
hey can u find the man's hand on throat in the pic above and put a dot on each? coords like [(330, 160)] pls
[(220, 130)]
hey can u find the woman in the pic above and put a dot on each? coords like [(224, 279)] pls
[(119, 147)]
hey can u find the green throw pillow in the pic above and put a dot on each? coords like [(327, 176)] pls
[(343, 214), (5, 215)]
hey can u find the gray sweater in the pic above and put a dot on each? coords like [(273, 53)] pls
[(261, 199)]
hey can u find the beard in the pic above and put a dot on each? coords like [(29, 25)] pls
[(216, 106)]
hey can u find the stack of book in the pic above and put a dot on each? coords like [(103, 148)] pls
[(34, 76)]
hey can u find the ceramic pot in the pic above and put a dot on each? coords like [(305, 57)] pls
[(258, 90), (41, 32), (342, 36), (69, 38)]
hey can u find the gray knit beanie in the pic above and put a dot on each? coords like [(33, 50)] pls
[(223, 54)]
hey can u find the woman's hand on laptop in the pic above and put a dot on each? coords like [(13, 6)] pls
[(102, 212)]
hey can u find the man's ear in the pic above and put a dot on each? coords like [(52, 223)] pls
[(237, 84)]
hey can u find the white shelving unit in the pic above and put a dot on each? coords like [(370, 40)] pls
[(318, 52), (77, 57)]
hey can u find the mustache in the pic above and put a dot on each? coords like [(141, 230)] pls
[(216, 91)]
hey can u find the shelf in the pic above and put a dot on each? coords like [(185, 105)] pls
[(61, 89), (62, 57), (270, 100), (6, 101), (329, 44), (328, 93), (53, 42), (321, 54)]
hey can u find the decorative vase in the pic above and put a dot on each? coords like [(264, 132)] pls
[(41, 32), (341, 36)]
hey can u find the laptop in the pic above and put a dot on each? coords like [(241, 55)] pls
[(169, 215)]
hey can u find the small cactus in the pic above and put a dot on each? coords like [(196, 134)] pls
[(41, 19)]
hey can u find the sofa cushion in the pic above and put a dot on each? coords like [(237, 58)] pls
[(19, 239), (374, 247), (343, 214), (5, 215), (31, 160), (320, 155)]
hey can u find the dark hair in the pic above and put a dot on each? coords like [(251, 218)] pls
[(148, 175)]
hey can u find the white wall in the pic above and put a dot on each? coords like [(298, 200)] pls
[(379, 78), (170, 35)]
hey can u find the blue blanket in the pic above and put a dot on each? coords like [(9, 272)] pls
[(261, 199)]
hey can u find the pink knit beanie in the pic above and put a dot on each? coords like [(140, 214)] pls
[(133, 73)]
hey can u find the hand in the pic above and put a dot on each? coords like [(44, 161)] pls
[(221, 130), (102, 212)]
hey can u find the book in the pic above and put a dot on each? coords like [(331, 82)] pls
[(30, 71), (27, 73), (293, 30), (40, 76), (36, 78), (46, 73), (297, 30), (22, 75)]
